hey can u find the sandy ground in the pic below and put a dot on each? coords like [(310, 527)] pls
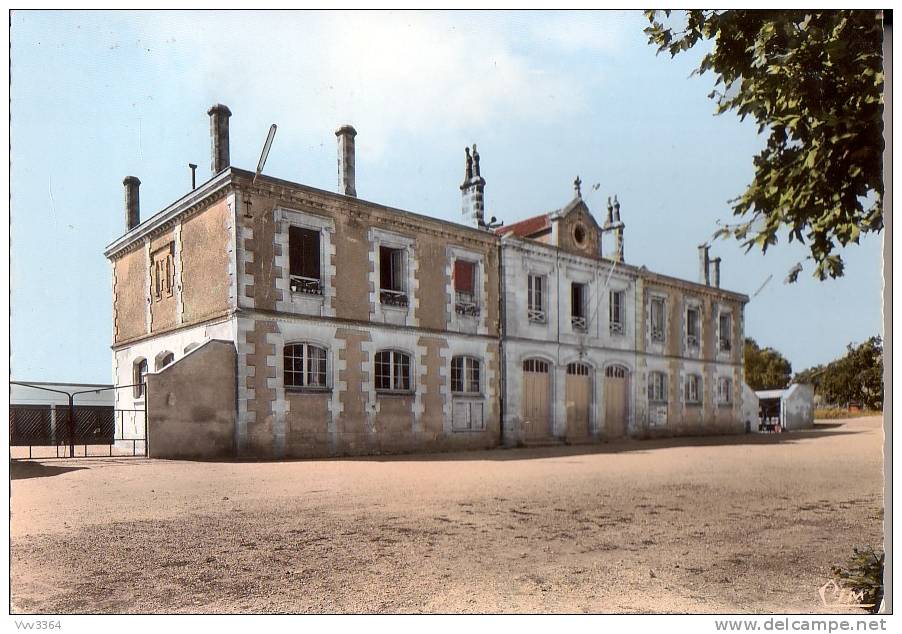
[(739, 524)]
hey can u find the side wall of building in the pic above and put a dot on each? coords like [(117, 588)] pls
[(195, 285)]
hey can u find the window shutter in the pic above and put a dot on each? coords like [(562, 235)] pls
[(463, 276)]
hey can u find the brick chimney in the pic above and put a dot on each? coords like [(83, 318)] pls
[(703, 261), (473, 192), (132, 202), (219, 136), (347, 177), (716, 263)]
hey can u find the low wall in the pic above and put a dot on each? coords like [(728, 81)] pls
[(191, 404)]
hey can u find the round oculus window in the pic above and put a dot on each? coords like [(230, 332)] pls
[(579, 234)]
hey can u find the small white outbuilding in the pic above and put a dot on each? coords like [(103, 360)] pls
[(791, 409)]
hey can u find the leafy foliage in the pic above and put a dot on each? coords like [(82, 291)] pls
[(813, 81), (765, 368), (856, 377), (864, 575)]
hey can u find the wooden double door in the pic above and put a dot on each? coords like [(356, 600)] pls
[(616, 400)]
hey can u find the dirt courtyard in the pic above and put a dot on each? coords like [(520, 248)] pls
[(724, 524)]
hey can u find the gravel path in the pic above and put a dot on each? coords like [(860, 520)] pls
[(738, 524)]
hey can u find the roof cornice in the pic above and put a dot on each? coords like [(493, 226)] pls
[(160, 219)]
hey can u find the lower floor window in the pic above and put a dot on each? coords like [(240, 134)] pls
[(392, 371), (305, 366), (465, 375), (725, 390), (693, 389), (139, 377), (657, 387)]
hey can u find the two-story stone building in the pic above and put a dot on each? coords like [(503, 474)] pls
[(597, 348), (262, 317)]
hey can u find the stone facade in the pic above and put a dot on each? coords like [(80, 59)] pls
[(358, 328)]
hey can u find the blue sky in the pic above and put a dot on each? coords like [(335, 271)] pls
[(546, 96)]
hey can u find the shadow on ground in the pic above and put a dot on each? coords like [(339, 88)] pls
[(560, 450), (23, 470)]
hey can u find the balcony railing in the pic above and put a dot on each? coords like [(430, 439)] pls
[(536, 315), (692, 341), (578, 323), (725, 345), (657, 334), (306, 285), (393, 298), (616, 328)]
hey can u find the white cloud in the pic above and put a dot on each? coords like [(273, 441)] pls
[(383, 72)]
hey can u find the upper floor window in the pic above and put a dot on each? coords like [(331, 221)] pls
[(304, 261), (392, 371), (393, 276), (139, 375), (657, 319), (725, 390), (163, 273), (304, 366), (657, 387), (693, 389), (615, 314), (536, 299), (465, 373), (725, 331), (578, 306), (465, 297), (693, 327)]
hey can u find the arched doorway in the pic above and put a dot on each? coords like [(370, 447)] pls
[(578, 399), (536, 401), (616, 400)]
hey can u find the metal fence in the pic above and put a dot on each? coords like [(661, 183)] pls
[(69, 431)]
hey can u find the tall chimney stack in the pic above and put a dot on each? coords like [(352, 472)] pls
[(132, 203), (716, 263), (703, 274), (347, 185), (219, 136), (473, 192)]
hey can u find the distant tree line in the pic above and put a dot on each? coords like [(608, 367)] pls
[(856, 377)]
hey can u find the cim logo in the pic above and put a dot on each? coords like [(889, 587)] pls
[(834, 595)]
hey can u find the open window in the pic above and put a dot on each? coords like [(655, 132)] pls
[(725, 332), (304, 261), (536, 299), (578, 307), (466, 300), (615, 314), (658, 322), (305, 367), (392, 371), (693, 327), (393, 276)]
